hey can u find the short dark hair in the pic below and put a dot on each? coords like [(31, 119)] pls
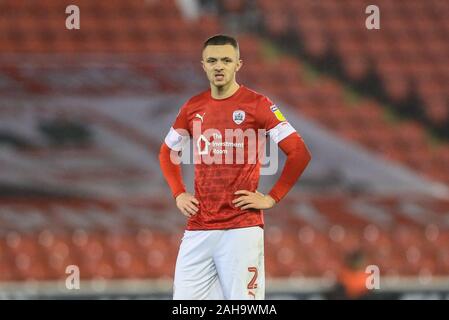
[(220, 40)]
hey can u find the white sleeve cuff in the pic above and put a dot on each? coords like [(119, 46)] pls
[(281, 131), (175, 141)]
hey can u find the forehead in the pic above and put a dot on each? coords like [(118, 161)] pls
[(219, 51)]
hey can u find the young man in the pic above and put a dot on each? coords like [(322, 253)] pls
[(222, 252)]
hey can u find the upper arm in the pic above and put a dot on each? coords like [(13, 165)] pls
[(270, 118), (294, 144), (179, 132)]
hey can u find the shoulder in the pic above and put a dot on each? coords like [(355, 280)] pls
[(197, 99), (257, 97)]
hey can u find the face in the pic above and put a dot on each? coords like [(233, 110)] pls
[(221, 62)]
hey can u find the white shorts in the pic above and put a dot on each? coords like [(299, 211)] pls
[(221, 264)]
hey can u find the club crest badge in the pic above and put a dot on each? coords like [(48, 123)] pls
[(238, 116)]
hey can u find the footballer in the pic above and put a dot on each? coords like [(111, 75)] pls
[(221, 255)]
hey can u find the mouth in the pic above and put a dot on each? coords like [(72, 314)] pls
[(219, 76)]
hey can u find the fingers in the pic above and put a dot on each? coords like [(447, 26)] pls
[(242, 202), (239, 199), (184, 212), (188, 207), (192, 202), (249, 206), (245, 192), (189, 210), (192, 207), (195, 201), (245, 203)]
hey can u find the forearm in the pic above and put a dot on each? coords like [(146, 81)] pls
[(172, 172), (298, 157)]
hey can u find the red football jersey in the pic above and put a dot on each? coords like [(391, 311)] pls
[(227, 135)]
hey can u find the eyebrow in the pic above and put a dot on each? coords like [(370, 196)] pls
[(223, 58)]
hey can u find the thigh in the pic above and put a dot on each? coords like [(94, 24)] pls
[(195, 273), (240, 263)]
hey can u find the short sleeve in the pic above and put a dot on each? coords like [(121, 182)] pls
[(179, 132), (272, 120), (181, 119)]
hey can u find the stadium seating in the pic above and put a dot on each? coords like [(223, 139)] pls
[(407, 55), (295, 245)]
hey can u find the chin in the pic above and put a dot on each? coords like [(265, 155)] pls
[(220, 84)]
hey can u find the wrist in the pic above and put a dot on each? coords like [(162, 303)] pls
[(273, 197), (271, 200), (177, 194)]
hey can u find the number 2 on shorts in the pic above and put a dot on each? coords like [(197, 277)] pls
[(252, 284)]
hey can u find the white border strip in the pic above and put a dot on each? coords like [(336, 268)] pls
[(164, 286)]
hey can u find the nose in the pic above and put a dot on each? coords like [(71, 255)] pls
[(218, 67)]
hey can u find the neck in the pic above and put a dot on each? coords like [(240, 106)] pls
[(225, 91)]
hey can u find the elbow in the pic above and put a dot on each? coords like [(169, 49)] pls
[(168, 155), (161, 153), (302, 152), (307, 154)]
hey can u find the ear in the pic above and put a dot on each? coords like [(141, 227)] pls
[(202, 64), (239, 65)]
